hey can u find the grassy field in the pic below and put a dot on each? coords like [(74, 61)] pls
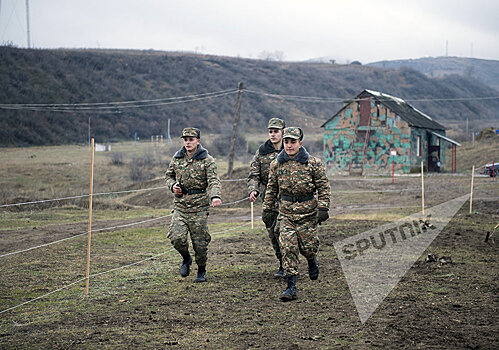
[(137, 299)]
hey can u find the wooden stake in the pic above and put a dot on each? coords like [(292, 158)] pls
[(90, 214), (471, 195), (252, 215), (422, 187)]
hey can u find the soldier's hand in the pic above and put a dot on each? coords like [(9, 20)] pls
[(176, 189), (267, 217), (322, 215), (253, 195), (215, 202)]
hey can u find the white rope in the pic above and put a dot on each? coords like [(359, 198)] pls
[(80, 196), (108, 271), (84, 233), (231, 180), (102, 229)]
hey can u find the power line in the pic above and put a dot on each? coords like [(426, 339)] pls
[(115, 106), (337, 99)]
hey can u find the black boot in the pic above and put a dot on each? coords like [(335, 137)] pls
[(186, 265), (280, 273), (201, 277), (290, 292), (313, 269)]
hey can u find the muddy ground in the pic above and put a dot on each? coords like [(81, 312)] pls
[(148, 305)]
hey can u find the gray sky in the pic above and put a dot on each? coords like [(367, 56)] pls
[(364, 30)]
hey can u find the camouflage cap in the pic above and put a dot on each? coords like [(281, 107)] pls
[(276, 123), (191, 132), (292, 133)]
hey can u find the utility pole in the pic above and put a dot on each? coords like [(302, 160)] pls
[(27, 23), (89, 119), (237, 115), (168, 129)]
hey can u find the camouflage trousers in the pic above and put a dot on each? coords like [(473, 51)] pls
[(195, 224), (298, 237), (273, 231)]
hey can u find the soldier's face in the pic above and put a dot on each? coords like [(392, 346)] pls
[(191, 143), (292, 146), (275, 135)]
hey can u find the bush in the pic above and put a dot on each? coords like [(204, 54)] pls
[(117, 158)]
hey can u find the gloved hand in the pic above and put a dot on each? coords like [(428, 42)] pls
[(267, 217), (322, 215)]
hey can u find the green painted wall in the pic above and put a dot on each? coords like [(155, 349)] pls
[(387, 133)]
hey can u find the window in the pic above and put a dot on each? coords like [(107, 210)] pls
[(418, 146)]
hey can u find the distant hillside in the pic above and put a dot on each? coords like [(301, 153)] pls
[(89, 76), (486, 71)]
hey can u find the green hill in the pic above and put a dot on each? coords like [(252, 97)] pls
[(96, 76)]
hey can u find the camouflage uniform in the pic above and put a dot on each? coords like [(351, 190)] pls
[(259, 174), (198, 176), (303, 180)]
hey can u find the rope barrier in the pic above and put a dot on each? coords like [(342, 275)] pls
[(104, 229), (108, 271), (232, 180), (95, 194), (80, 196)]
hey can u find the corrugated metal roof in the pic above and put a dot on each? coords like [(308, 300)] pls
[(404, 110), (446, 139)]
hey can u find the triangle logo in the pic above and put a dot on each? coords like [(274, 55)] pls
[(374, 261)]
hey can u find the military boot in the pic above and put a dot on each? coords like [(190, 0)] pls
[(280, 273), (201, 277), (186, 265), (313, 268), (290, 292)]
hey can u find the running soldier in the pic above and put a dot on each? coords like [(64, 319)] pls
[(303, 188), (259, 174), (192, 176)]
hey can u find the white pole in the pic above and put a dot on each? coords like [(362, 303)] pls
[(90, 215), (471, 194), (251, 206), (27, 24), (422, 187)]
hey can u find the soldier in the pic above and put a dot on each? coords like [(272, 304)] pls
[(192, 176), (303, 188), (259, 174)]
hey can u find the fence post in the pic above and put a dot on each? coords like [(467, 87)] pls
[(422, 187), (471, 194), (90, 198), (251, 206)]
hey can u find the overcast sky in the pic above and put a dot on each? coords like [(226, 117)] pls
[(364, 30)]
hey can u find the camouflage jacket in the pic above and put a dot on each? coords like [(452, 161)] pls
[(198, 172), (301, 176), (260, 167)]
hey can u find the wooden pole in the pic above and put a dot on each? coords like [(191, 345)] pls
[(422, 187), (471, 195), (252, 221), (90, 198), (235, 125)]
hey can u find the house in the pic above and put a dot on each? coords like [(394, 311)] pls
[(374, 132)]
